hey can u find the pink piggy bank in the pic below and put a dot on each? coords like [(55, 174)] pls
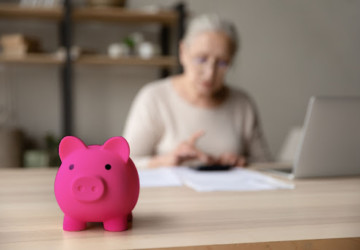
[(96, 184)]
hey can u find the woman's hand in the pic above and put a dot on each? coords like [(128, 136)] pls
[(231, 159), (185, 151)]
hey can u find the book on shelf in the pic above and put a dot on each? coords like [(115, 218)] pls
[(18, 45)]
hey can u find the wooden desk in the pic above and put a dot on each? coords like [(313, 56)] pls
[(317, 214)]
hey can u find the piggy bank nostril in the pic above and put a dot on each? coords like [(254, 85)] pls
[(80, 188), (93, 189)]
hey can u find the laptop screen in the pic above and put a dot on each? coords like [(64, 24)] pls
[(330, 145)]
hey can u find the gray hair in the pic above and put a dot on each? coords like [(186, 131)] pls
[(212, 22)]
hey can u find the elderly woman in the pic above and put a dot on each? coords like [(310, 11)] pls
[(195, 116)]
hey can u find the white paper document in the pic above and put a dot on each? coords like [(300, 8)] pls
[(159, 177), (237, 179)]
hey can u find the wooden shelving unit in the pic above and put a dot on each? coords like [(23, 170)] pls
[(66, 16), (169, 18), (124, 15), (161, 61), (16, 12), (31, 59)]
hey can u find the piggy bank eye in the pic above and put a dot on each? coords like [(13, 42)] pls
[(71, 167), (107, 166)]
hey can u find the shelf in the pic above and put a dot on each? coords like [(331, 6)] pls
[(161, 61), (124, 15), (16, 12), (31, 59), (89, 14)]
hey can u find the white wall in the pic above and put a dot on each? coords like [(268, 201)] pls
[(290, 51)]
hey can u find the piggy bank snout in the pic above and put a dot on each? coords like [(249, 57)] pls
[(88, 188)]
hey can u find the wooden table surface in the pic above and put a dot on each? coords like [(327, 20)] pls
[(317, 214)]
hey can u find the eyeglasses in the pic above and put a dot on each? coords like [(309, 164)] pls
[(204, 61)]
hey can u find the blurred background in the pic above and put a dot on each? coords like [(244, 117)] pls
[(290, 50)]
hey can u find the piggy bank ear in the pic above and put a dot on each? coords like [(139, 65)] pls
[(119, 146), (70, 144)]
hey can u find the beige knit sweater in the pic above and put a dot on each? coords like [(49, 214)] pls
[(160, 119)]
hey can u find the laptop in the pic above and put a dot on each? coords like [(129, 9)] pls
[(330, 143)]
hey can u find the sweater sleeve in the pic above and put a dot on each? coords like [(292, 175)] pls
[(142, 128), (256, 148)]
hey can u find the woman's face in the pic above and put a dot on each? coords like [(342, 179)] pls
[(206, 58)]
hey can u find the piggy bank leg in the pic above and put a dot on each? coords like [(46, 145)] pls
[(130, 217), (116, 224), (71, 224)]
